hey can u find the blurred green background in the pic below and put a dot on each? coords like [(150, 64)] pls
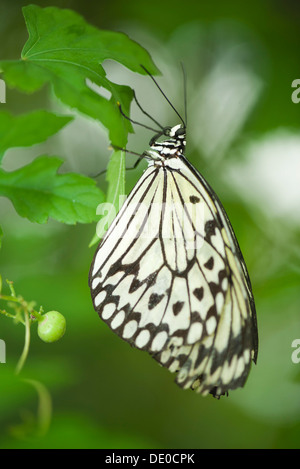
[(243, 136)]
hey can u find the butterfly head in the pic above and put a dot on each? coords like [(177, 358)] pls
[(178, 132), (170, 143)]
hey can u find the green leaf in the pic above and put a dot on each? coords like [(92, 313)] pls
[(116, 177), (38, 192), (65, 50), (28, 129), (116, 191)]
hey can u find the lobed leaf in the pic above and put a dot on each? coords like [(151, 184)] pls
[(28, 129), (66, 51)]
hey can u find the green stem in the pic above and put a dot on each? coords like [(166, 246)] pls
[(26, 345), (44, 407), (10, 298), (5, 313)]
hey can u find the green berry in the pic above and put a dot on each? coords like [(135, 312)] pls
[(51, 327)]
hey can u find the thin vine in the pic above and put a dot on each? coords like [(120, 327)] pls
[(51, 327)]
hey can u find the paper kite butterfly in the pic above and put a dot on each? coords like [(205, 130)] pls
[(169, 276)]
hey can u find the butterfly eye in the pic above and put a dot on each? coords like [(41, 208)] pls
[(180, 132)]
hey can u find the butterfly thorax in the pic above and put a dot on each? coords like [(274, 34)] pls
[(171, 147)]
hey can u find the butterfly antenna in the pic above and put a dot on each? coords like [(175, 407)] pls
[(134, 122), (146, 113), (164, 95), (184, 92)]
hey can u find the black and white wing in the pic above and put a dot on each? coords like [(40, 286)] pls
[(169, 278)]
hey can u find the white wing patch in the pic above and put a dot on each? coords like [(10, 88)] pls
[(169, 278)]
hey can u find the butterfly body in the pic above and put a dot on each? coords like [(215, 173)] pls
[(169, 276)]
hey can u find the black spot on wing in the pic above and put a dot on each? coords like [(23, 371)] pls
[(199, 292), (210, 230), (177, 307), (209, 264), (194, 199), (154, 300)]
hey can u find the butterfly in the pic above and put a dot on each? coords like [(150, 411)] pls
[(169, 276)]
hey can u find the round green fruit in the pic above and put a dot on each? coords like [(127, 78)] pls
[(51, 327)]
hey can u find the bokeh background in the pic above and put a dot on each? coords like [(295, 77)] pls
[(243, 136)]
